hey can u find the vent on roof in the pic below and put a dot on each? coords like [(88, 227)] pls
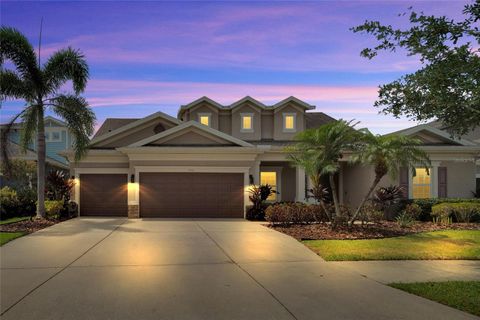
[(158, 128)]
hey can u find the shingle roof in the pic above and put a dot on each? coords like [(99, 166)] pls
[(111, 124), (317, 119)]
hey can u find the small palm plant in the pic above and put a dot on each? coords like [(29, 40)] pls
[(387, 154), (39, 85), (319, 151)]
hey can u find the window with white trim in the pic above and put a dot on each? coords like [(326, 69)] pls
[(246, 122), (289, 122), (421, 184), (205, 119)]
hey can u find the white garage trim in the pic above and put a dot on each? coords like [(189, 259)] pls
[(79, 171), (244, 170)]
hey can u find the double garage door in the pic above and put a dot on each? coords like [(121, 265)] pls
[(165, 195)]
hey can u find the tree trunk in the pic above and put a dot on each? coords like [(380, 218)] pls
[(333, 186), (373, 186), (40, 164)]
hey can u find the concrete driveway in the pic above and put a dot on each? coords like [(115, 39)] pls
[(185, 269)]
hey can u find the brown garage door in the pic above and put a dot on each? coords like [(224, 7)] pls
[(191, 195), (103, 195)]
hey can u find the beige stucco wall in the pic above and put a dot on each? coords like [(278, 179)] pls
[(267, 125), (225, 122), (460, 178), (357, 180), (236, 123), (278, 133)]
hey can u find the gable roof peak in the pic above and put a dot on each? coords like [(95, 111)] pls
[(245, 99)]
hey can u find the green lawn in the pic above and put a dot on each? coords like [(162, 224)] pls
[(9, 236), (14, 219), (462, 295), (437, 245)]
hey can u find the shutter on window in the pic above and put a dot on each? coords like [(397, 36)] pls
[(404, 181), (442, 182)]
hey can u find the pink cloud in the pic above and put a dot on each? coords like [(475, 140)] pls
[(128, 92)]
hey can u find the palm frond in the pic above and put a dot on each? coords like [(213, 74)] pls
[(12, 86), (63, 65), (5, 142), (80, 120), (29, 126), (14, 46)]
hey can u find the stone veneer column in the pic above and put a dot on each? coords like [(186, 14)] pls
[(133, 211)]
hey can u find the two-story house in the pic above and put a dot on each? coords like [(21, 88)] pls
[(202, 163), (57, 139)]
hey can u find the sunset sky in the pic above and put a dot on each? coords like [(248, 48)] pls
[(150, 56)]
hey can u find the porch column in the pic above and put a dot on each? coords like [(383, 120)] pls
[(300, 184), (256, 172)]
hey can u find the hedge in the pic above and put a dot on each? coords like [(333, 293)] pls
[(461, 211), (427, 204), (294, 213)]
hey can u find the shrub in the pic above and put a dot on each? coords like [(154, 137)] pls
[(72, 209), (9, 203), (371, 212), (413, 210), (427, 204), (404, 220), (316, 212), (258, 195), (462, 211), (58, 186), (53, 208), (388, 196), (28, 200), (294, 213), (441, 213)]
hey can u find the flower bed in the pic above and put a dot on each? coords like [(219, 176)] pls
[(384, 229)]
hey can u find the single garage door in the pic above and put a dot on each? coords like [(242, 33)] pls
[(103, 195), (191, 195)]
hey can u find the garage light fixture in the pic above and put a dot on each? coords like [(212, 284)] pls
[(132, 178)]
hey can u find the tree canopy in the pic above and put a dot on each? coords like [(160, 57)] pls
[(447, 86)]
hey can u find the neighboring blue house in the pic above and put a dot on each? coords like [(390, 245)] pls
[(57, 138)]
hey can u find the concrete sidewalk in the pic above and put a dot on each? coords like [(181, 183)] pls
[(414, 270), (186, 269)]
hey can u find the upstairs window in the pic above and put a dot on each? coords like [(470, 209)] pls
[(246, 122), (289, 120), (205, 119), (53, 136), (421, 184)]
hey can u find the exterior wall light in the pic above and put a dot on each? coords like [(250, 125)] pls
[(132, 178)]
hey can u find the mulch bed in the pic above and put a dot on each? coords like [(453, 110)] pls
[(28, 226), (378, 231)]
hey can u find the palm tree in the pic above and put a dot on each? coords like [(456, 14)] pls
[(387, 154), (39, 85), (319, 151)]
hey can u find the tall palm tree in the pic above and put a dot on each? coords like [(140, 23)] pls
[(39, 85), (387, 154), (319, 151)]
